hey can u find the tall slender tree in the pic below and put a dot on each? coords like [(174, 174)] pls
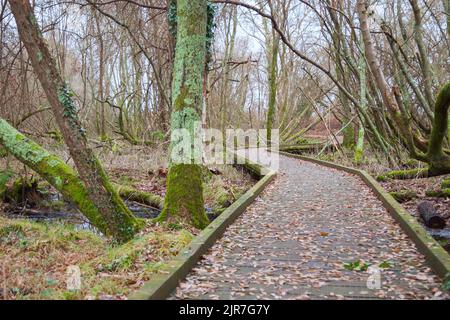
[(362, 96), (272, 70)]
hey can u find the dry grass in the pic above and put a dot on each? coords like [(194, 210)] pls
[(35, 256), (134, 158), (369, 163)]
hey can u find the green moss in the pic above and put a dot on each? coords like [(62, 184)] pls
[(8, 230), (3, 152), (440, 124), (21, 190), (5, 176), (216, 193), (184, 198), (404, 174), (56, 136), (19, 145), (122, 263), (349, 137), (139, 196), (404, 195), (445, 183), (179, 101), (358, 156), (56, 205), (443, 193)]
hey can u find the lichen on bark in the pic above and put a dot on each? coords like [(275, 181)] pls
[(184, 196)]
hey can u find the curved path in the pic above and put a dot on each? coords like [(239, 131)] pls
[(293, 241)]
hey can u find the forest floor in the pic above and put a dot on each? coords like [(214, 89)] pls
[(40, 238), (313, 234)]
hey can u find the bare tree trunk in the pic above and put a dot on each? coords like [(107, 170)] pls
[(388, 96), (101, 75), (423, 54), (228, 54)]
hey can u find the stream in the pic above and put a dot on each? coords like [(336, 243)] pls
[(69, 214)]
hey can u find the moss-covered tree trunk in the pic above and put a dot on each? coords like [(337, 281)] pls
[(184, 196), (439, 161), (273, 72), (362, 96), (59, 175), (121, 224)]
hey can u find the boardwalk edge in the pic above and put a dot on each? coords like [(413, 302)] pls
[(161, 285), (436, 257)]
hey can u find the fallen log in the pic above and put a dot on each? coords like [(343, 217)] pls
[(305, 148), (403, 195), (439, 193), (133, 194), (404, 174), (430, 215)]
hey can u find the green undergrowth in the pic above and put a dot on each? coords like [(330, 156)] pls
[(37, 255)]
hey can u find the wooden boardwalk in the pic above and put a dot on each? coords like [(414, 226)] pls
[(293, 241)]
